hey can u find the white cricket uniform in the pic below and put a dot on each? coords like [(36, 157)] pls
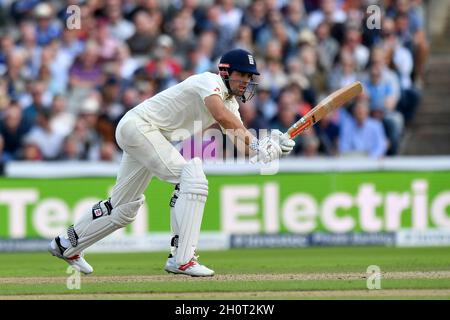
[(146, 131)]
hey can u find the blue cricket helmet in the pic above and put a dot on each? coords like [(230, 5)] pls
[(239, 60)]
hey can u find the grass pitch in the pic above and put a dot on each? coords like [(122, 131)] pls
[(306, 273)]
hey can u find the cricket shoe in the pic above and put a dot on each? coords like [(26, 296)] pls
[(192, 268), (76, 261)]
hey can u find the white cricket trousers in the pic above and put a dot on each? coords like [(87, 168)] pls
[(146, 153)]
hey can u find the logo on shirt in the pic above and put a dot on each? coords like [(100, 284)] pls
[(217, 89), (250, 59)]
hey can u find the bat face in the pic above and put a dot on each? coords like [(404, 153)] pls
[(327, 105)]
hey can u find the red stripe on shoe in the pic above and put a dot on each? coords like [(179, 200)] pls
[(187, 265), (75, 257)]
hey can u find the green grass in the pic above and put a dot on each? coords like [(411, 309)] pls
[(319, 261)]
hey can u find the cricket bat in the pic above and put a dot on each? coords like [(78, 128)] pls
[(327, 105)]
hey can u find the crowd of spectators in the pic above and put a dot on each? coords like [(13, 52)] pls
[(64, 89)]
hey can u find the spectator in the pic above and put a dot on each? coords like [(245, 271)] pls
[(17, 74), (30, 151), (107, 44), (4, 97), (264, 103), (410, 26), (224, 36), (86, 72), (111, 107), (251, 118), (329, 12), (23, 9), (274, 71), (107, 151), (296, 74), (200, 56), (28, 44), (344, 73), (182, 30), (230, 16), (382, 106), (379, 57), (48, 141), (273, 68), (295, 15), (146, 85), (164, 67), (61, 121), (38, 103), (396, 54), (311, 70), (362, 135), (190, 8), (7, 48), (119, 28), (152, 7), (255, 17), (327, 47), (71, 149), (47, 28), (296, 89), (286, 115), (143, 42), (4, 156), (88, 22), (309, 144), (13, 128), (70, 45), (355, 11), (130, 99), (273, 50), (327, 132), (206, 44), (83, 140), (277, 30), (57, 63), (87, 125), (244, 39), (125, 65), (402, 61), (353, 45)]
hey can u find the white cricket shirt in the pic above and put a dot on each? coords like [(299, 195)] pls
[(180, 111)]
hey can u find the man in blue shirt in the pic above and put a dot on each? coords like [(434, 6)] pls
[(382, 104), (361, 134)]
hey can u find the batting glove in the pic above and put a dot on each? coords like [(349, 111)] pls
[(267, 149), (286, 143)]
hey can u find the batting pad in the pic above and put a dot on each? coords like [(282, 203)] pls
[(175, 230), (189, 209), (99, 223)]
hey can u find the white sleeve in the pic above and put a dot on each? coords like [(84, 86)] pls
[(233, 106), (208, 85)]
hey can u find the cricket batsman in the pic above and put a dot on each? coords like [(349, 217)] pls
[(145, 134)]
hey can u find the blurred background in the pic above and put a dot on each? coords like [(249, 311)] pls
[(69, 70)]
